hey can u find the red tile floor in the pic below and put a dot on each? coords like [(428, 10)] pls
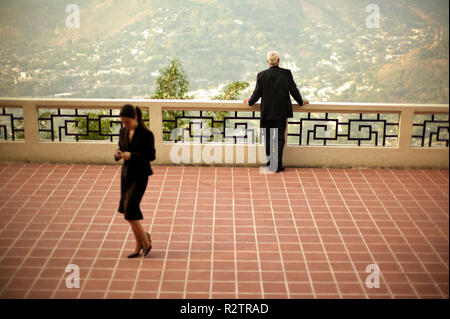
[(223, 232)]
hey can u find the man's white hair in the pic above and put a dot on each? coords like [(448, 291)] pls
[(272, 57)]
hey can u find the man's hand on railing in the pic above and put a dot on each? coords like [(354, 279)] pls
[(304, 102)]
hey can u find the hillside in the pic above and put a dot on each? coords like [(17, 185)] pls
[(420, 76), (121, 45)]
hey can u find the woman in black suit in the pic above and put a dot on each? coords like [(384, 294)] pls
[(137, 149)]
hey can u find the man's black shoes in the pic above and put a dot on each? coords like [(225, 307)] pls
[(279, 169)]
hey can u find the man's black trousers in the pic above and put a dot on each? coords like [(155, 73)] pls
[(280, 125)]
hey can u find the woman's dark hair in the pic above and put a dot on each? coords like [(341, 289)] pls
[(131, 111)]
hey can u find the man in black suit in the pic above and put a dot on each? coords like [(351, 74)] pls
[(274, 86)]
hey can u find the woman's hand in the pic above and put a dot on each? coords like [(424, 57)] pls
[(118, 154), (126, 155)]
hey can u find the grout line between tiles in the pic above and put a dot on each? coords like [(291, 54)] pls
[(150, 232), (256, 235), (170, 235), (188, 263), (103, 240), (381, 234), (213, 232), (288, 290), (297, 232), (412, 249), (49, 223), (84, 234)]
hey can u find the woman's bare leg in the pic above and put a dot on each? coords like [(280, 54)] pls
[(136, 236), (140, 233)]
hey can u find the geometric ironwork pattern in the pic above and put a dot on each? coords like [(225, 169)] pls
[(342, 129), (430, 130), (312, 128), (81, 124), (11, 123), (205, 126)]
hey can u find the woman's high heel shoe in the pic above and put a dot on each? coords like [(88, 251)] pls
[(136, 254), (150, 247)]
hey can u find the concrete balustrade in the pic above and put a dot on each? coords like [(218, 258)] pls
[(32, 149)]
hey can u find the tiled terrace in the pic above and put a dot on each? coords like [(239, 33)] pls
[(221, 232)]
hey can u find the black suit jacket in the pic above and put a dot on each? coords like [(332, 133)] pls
[(274, 86), (142, 149)]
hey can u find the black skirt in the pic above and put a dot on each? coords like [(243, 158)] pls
[(131, 192)]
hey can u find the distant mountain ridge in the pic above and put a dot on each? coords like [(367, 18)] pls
[(121, 45)]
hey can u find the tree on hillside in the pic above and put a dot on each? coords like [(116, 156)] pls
[(232, 91), (172, 83)]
